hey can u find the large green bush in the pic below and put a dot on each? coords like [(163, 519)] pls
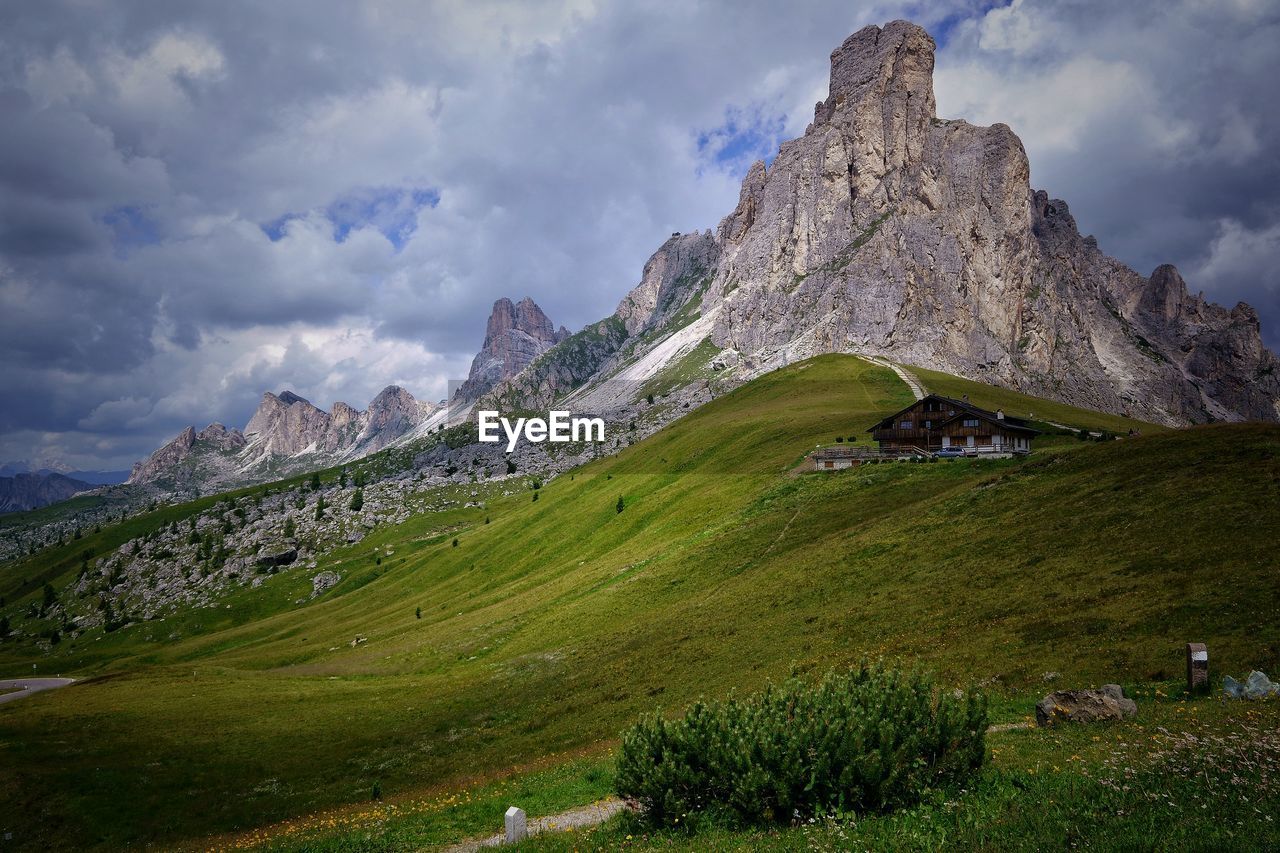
[(868, 740)]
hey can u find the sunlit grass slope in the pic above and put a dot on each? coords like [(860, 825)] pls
[(551, 627)]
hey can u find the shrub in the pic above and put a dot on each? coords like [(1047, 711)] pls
[(620, 505), (357, 500), (868, 740)]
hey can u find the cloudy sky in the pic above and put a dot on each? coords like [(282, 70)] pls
[(203, 201)]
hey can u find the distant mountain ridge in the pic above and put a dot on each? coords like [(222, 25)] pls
[(96, 478), (285, 434), (24, 491)]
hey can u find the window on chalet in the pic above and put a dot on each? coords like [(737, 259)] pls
[(905, 425), (971, 422)]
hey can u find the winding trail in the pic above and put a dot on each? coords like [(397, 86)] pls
[(917, 388), (583, 816), (27, 686)]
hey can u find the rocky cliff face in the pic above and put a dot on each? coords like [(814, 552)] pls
[(886, 230), (215, 439), (32, 491), (286, 433), (514, 336)]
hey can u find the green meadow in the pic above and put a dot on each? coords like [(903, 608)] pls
[(552, 624)]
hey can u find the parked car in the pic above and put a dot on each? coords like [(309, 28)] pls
[(950, 452)]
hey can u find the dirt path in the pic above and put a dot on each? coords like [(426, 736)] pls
[(591, 815), (917, 388), (27, 686)]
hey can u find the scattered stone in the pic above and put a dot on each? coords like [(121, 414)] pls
[(1256, 686), (360, 638), (324, 581), (1085, 706)]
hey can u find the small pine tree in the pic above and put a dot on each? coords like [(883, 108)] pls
[(377, 561), (377, 791), (650, 399), (319, 507), (535, 497), (50, 598), (486, 519), (4, 627), (620, 505), (315, 481), (417, 614), (511, 467), (342, 478), (455, 543), (357, 500), (289, 528)]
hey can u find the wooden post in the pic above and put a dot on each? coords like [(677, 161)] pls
[(1197, 668)]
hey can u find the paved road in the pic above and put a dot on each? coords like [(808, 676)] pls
[(27, 686)]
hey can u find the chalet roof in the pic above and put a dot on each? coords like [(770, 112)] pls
[(963, 408)]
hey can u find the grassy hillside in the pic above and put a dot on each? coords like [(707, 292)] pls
[(1025, 406), (548, 629)]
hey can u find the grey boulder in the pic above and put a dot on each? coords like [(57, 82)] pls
[(1085, 706)]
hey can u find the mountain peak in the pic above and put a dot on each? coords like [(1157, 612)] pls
[(289, 398), (878, 68), (514, 336)]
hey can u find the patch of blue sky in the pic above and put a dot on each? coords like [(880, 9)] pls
[(393, 211), (132, 227), (745, 136), (943, 28)]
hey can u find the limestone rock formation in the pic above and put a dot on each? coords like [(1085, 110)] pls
[(514, 336), (284, 427), (888, 231), (215, 439)]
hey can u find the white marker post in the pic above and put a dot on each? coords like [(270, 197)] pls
[(517, 825)]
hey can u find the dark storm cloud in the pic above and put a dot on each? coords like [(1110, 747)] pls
[(200, 202)]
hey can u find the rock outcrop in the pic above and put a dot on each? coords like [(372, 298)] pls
[(514, 336), (215, 439), (888, 231)]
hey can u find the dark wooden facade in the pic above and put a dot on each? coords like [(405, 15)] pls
[(936, 422)]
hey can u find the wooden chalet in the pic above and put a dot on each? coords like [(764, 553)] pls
[(935, 422)]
